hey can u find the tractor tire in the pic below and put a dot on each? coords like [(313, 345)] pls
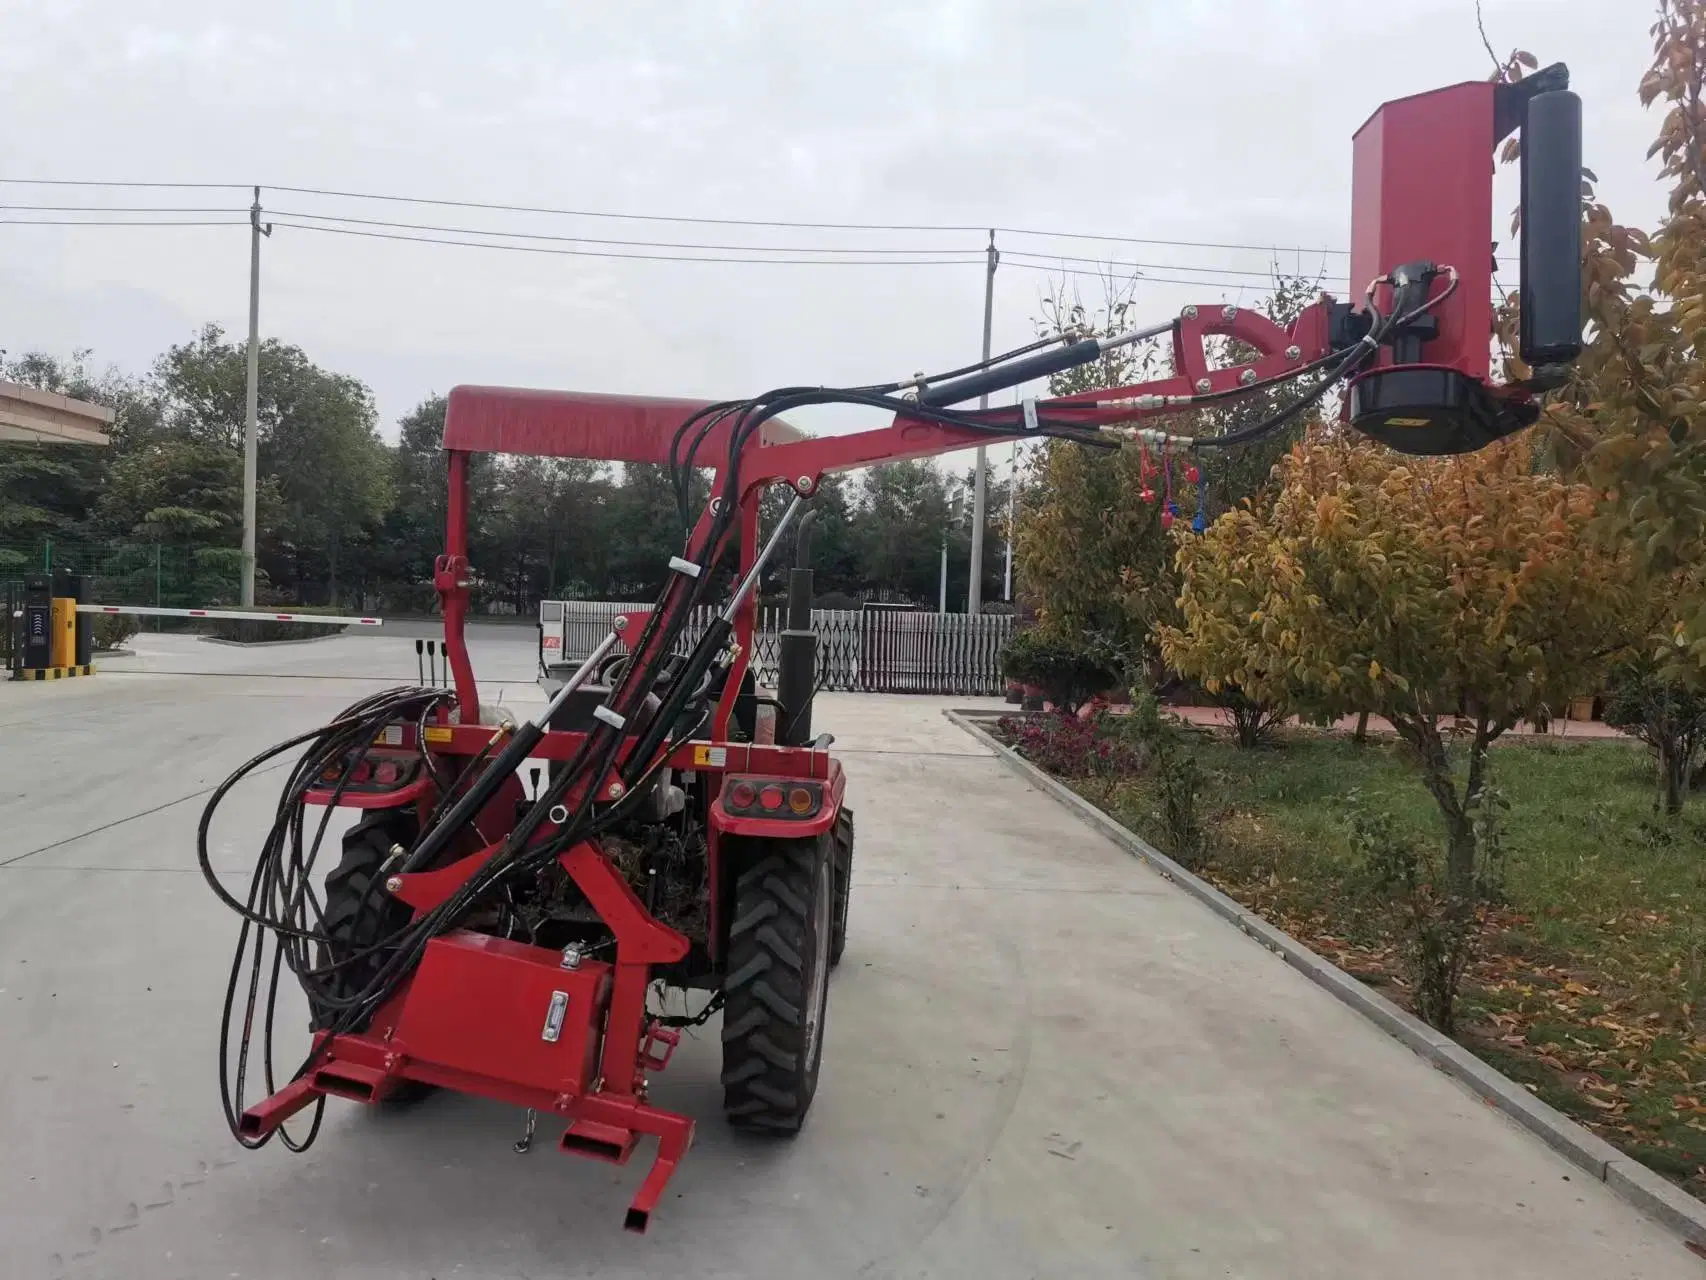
[(358, 913), (777, 988), (843, 837)]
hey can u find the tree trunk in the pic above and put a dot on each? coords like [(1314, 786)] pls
[(1423, 735), (1361, 736), (1673, 777)]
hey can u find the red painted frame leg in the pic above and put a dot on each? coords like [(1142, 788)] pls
[(264, 1118), (675, 1135)]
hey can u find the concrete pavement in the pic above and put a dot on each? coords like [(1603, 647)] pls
[(1042, 1060)]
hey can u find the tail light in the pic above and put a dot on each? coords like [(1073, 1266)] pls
[(375, 773), (783, 798)]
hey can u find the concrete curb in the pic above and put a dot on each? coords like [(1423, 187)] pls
[(1661, 1200), (266, 644)]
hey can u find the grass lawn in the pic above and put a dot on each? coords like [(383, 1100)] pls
[(1590, 987)]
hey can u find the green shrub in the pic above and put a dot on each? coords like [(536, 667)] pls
[(1669, 717), (110, 630), (250, 631), (1068, 673), (1178, 782), (1439, 928)]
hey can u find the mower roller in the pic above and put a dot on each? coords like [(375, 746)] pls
[(524, 948)]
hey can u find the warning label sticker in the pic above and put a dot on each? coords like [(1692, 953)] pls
[(553, 642), (710, 757), (438, 733)]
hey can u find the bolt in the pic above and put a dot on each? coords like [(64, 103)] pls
[(1203, 384), (621, 623), (614, 791), (1190, 312), (1294, 353), (803, 485), (1247, 377), (716, 506), (560, 814), (572, 956), (393, 884), (1229, 313)]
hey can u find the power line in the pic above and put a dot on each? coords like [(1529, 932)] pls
[(1020, 258), (743, 248), (1242, 278), (148, 186), (593, 240), (811, 226), (111, 208), (121, 222), (651, 257), (497, 207), (1255, 283)]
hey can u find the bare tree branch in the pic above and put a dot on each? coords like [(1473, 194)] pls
[(1481, 26)]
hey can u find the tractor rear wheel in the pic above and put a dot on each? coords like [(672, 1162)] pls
[(843, 837), (777, 988), (358, 913)]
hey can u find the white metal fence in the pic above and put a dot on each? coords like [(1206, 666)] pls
[(864, 650)]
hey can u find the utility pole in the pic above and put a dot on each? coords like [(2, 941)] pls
[(1012, 526), (950, 513), (980, 483), (251, 399)]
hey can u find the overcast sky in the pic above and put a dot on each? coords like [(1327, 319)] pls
[(1167, 119)]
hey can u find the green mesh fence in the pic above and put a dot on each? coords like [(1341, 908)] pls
[(157, 574)]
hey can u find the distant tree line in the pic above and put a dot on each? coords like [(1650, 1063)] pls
[(348, 518)]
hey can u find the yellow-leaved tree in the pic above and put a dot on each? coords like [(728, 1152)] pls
[(1434, 592), (1424, 590), (1634, 415)]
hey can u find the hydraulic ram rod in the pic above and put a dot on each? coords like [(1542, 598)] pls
[(691, 682), (507, 762), (1042, 364)]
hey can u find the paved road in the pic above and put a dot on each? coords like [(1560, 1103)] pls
[(1042, 1060)]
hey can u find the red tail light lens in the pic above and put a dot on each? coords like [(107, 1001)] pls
[(773, 798)]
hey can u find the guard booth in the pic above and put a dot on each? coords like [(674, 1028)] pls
[(46, 638)]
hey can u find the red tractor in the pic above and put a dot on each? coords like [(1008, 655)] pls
[(475, 937)]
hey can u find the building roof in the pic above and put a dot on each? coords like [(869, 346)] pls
[(41, 417)]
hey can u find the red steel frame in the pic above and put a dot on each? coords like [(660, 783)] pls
[(464, 1019), (456, 1022)]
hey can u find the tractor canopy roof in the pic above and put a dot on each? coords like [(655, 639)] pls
[(583, 424)]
